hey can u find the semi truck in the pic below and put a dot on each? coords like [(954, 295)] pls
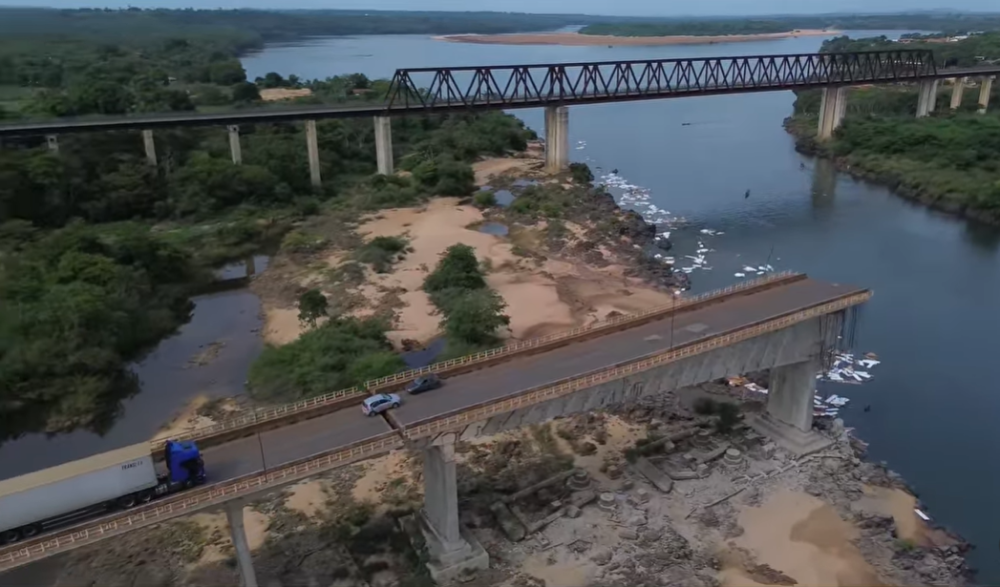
[(119, 479)]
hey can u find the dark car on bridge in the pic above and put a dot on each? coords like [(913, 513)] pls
[(422, 384)]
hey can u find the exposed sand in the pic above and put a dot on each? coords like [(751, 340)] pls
[(804, 538), (255, 523), (278, 94), (308, 497), (378, 473), (542, 297), (576, 39)]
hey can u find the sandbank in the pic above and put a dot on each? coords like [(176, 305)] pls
[(576, 39)]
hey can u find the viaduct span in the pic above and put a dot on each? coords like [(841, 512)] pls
[(556, 87), (787, 322)]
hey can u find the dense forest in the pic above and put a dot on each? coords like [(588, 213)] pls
[(972, 51), (100, 252), (779, 24), (950, 160)]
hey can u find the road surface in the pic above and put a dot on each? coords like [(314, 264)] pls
[(462, 391)]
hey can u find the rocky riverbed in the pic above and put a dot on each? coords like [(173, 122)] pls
[(649, 494)]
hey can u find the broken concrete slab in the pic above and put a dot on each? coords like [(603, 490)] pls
[(658, 478)]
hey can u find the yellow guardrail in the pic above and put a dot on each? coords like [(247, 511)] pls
[(460, 418), (356, 394), (192, 501), (213, 495)]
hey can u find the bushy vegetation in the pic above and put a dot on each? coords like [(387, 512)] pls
[(473, 312), (965, 53), (75, 304), (340, 353), (382, 252), (948, 160)]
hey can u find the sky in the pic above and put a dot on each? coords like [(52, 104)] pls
[(609, 7)]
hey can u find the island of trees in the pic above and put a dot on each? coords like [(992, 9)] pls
[(950, 160)]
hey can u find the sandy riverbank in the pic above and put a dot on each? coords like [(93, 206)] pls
[(576, 39), (545, 291)]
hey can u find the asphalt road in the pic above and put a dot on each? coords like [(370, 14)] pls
[(348, 426), (291, 443)]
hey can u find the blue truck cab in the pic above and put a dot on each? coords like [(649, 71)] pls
[(185, 466)]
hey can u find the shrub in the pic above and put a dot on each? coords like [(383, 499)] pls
[(484, 200), (458, 268), (312, 307), (382, 252)]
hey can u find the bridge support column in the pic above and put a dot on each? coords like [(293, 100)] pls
[(926, 97), (383, 144), (150, 144), (957, 90), (53, 143), (831, 111), (452, 549), (234, 144), (312, 143), (985, 87), (244, 560), (556, 138), (789, 416)]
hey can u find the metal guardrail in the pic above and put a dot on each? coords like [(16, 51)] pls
[(213, 495), (467, 415), (192, 501), (355, 394)]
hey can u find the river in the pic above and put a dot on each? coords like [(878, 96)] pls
[(935, 278)]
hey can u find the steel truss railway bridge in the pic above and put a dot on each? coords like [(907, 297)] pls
[(787, 323), (557, 86)]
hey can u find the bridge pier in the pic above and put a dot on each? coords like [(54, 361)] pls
[(789, 416), (556, 138), (831, 111), (985, 87), (926, 97), (238, 534), (383, 144), (452, 549), (312, 143), (52, 141), (957, 90), (234, 144), (150, 145)]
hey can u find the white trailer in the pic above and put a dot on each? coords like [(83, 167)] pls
[(29, 502)]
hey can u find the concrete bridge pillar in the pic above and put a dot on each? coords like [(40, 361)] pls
[(312, 143), (985, 87), (451, 548), (957, 89), (831, 111), (789, 416), (244, 560), (234, 144), (383, 144), (926, 97), (150, 144), (52, 141), (556, 138)]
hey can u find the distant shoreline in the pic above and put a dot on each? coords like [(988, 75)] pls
[(576, 39)]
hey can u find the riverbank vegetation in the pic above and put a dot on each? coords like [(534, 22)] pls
[(711, 27), (950, 160), (100, 251)]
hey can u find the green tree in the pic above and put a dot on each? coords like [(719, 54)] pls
[(312, 307), (457, 269), (246, 92), (476, 316)]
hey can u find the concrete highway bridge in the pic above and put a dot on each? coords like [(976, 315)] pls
[(558, 86), (787, 323)]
